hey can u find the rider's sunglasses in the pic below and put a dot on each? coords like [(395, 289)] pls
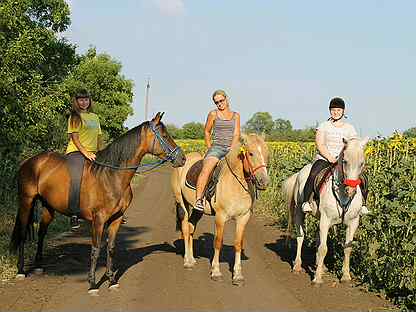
[(219, 101)]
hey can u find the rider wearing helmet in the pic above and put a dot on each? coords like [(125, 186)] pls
[(329, 142)]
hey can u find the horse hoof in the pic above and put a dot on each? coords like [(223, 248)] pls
[(115, 286), (317, 284), (298, 271), (93, 292), (238, 281), (189, 264), (20, 277), (345, 281), (38, 271), (216, 278)]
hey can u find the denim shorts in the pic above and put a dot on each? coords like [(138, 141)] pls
[(217, 151)]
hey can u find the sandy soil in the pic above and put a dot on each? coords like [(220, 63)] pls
[(152, 277)]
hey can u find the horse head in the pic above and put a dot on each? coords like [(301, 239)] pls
[(254, 154), (161, 143), (352, 162)]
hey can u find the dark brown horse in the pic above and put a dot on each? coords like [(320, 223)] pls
[(105, 189)]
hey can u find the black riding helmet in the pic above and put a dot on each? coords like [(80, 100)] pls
[(82, 93), (337, 103)]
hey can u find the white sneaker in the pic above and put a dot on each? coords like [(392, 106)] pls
[(364, 211), (306, 207)]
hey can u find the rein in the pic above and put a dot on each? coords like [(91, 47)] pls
[(250, 178), (172, 154), (339, 184)]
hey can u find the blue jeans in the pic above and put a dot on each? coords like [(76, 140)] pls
[(217, 151)]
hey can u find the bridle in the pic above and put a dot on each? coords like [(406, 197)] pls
[(172, 153), (249, 171), (347, 182)]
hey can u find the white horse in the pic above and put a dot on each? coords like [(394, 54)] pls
[(329, 210)]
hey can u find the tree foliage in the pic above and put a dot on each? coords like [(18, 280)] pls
[(111, 93), (193, 130), (39, 72), (260, 122), (277, 130), (410, 133)]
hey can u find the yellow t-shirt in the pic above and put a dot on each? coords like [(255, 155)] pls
[(88, 132)]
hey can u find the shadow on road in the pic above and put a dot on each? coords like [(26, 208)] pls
[(71, 253), (287, 252), (204, 248)]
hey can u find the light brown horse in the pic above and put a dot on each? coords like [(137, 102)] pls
[(105, 191), (243, 170)]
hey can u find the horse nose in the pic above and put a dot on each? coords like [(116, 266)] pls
[(350, 190), (264, 181)]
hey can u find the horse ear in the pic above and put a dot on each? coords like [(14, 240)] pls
[(364, 141), (243, 138), (161, 115), (157, 118)]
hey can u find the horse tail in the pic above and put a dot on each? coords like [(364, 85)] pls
[(288, 189), (23, 226)]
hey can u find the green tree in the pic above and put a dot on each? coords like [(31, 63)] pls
[(410, 133), (111, 92), (193, 130), (174, 131), (33, 62), (282, 125), (260, 122)]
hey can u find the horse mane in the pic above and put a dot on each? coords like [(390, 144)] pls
[(121, 149)]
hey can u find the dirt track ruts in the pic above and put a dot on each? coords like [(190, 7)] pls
[(152, 277)]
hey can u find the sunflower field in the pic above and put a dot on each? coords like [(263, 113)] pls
[(384, 250)]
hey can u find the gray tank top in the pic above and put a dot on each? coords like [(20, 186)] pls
[(223, 132)]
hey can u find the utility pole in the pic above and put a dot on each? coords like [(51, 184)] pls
[(146, 104)]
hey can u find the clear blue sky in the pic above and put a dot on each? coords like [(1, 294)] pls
[(284, 57)]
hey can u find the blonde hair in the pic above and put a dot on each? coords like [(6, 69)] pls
[(219, 92)]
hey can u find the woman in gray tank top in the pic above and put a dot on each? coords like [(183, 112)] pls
[(222, 130)]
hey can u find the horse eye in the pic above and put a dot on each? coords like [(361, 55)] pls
[(251, 154)]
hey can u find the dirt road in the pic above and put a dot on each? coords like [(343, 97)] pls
[(152, 276)]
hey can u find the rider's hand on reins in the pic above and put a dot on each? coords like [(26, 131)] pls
[(90, 156)]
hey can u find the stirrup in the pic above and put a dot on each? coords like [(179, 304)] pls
[(306, 207), (74, 223), (199, 205)]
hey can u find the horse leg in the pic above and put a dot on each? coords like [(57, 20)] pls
[(238, 278), (20, 231), (349, 236), (219, 229), (300, 234), (188, 259), (47, 217), (97, 232), (322, 249), (112, 232)]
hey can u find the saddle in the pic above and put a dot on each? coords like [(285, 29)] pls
[(75, 164), (192, 178), (338, 187)]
